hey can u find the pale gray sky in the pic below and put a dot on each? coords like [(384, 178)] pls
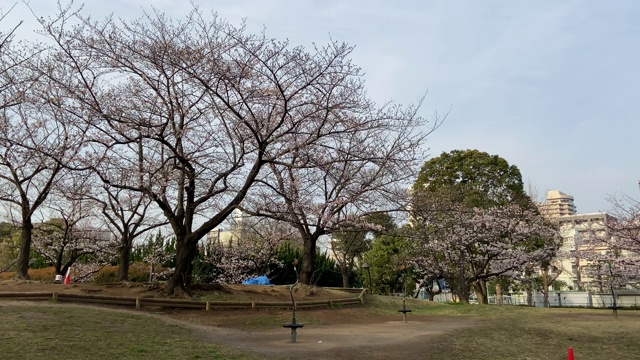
[(548, 85)]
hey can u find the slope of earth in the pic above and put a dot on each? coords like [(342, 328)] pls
[(209, 292)]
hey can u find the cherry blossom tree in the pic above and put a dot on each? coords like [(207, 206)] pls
[(71, 233), (204, 105), (468, 246), (470, 210), (35, 139), (253, 249), (625, 227), (128, 215), (335, 183), (11, 60)]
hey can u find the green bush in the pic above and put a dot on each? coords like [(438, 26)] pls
[(326, 272)]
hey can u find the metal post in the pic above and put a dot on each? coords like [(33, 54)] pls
[(404, 310), (293, 325), (366, 266), (404, 314)]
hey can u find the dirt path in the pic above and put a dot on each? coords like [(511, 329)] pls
[(387, 340)]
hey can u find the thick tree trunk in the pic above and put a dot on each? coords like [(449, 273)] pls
[(123, 267), (58, 264), (181, 280), (498, 294), (529, 296), (463, 296), (463, 292), (308, 260), (22, 268), (480, 288), (345, 279)]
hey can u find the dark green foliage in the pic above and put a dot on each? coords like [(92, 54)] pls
[(350, 244), (161, 249), (388, 260), (473, 178), (204, 272), (8, 230), (326, 272), (37, 261)]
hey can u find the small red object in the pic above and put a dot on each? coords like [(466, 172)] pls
[(570, 354), (67, 278)]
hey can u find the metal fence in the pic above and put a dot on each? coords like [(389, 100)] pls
[(556, 299)]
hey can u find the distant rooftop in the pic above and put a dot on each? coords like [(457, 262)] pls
[(557, 204), (556, 194)]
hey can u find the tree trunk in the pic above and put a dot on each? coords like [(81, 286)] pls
[(22, 268), (123, 267), (308, 260), (529, 295), (498, 294), (463, 296), (429, 289), (345, 279), (545, 287), (58, 264), (480, 288), (463, 292), (181, 280)]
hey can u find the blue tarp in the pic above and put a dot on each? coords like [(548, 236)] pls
[(260, 280)]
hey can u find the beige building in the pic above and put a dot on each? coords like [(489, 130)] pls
[(232, 235), (580, 234), (557, 204)]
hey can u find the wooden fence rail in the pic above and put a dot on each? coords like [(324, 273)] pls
[(173, 303)]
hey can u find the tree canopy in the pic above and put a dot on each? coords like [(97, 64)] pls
[(472, 177)]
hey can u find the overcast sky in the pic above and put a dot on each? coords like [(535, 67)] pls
[(548, 85)]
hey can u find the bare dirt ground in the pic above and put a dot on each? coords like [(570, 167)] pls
[(217, 292), (348, 333), (353, 332)]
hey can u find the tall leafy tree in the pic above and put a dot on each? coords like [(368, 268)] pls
[(388, 260), (473, 178)]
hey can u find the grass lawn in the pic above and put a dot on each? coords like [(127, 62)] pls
[(57, 332), (516, 332), (498, 332)]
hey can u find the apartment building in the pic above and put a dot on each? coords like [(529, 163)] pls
[(557, 204)]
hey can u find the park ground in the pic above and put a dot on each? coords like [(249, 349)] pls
[(375, 330)]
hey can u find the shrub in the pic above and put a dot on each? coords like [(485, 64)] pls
[(326, 272)]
